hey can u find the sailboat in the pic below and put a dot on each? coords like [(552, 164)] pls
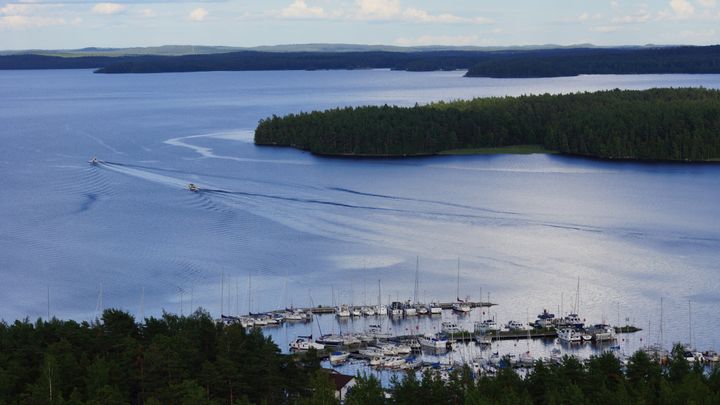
[(381, 309), (460, 306)]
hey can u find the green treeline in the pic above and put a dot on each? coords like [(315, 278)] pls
[(168, 360), (656, 124), (618, 61), (193, 360)]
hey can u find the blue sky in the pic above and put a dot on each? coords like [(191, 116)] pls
[(53, 24)]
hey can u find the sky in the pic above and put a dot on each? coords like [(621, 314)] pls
[(68, 24)]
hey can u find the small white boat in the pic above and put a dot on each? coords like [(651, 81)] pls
[(569, 335), (422, 310), (486, 326), (94, 161), (193, 187), (305, 343), (368, 311), (338, 357), (515, 325), (342, 312), (247, 322), (355, 311), (295, 315), (461, 307), (602, 332), (381, 310), (450, 327), (435, 309), (433, 342), (711, 356), (526, 359), (393, 362), (484, 340)]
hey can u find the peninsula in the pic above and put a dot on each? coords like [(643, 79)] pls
[(656, 124)]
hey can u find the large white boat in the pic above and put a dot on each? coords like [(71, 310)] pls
[(572, 321), (305, 343), (545, 319), (569, 335), (433, 342)]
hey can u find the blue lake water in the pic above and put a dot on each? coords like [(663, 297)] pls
[(524, 227)]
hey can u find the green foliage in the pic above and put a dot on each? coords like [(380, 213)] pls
[(656, 124), (191, 360)]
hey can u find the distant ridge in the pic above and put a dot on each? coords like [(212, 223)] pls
[(177, 50)]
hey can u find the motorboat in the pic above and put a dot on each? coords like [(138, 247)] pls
[(338, 357), (368, 311), (461, 306), (573, 321), (450, 327), (526, 359), (422, 309), (193, 187), (435, 309), (393, 362), (602, 332), (376, 332), (545, 319), (409, 309), (486, 326), (396, 309), (342, 311), (483, 340), (433, 342), (94, 161), (355, 311), (569, 335), (305, 343), (338, 340), (381, 310), (515, 326)]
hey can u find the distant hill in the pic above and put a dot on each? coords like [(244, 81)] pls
[(499, 63)]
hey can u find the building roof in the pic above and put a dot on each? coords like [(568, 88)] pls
[(340, 380)]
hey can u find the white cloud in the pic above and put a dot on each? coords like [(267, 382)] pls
[(108, 8), (449, 40), (630, 19), (707, 3), (605, 28), (10, 22), (199, 14), (300, 9), (378, 9), (147, 13), (682, 8)]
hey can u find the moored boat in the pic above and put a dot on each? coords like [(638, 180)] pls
[(305, 343), (338, 357), (569, 335)]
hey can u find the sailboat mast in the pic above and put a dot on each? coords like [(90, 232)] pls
[(249, 293), (417, 275), (458, 280), (379, 295), (222, 293)]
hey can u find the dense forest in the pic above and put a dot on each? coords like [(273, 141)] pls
[(621, 61), (193, 360), (495, 63), (655, 124)]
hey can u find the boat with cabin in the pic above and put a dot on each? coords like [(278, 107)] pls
[(569, 335), (305, 343)]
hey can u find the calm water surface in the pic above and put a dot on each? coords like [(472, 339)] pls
[(524, 227)]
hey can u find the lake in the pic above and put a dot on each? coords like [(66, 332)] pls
[(525, 228)]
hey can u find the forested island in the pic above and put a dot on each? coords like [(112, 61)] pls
[(656, 124), (194, 360), (501, 63)]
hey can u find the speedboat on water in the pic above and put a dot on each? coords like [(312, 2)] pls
[(192, 187), (94, 161)]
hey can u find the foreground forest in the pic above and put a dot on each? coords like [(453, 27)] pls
[(656, 124), (193, 360)]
